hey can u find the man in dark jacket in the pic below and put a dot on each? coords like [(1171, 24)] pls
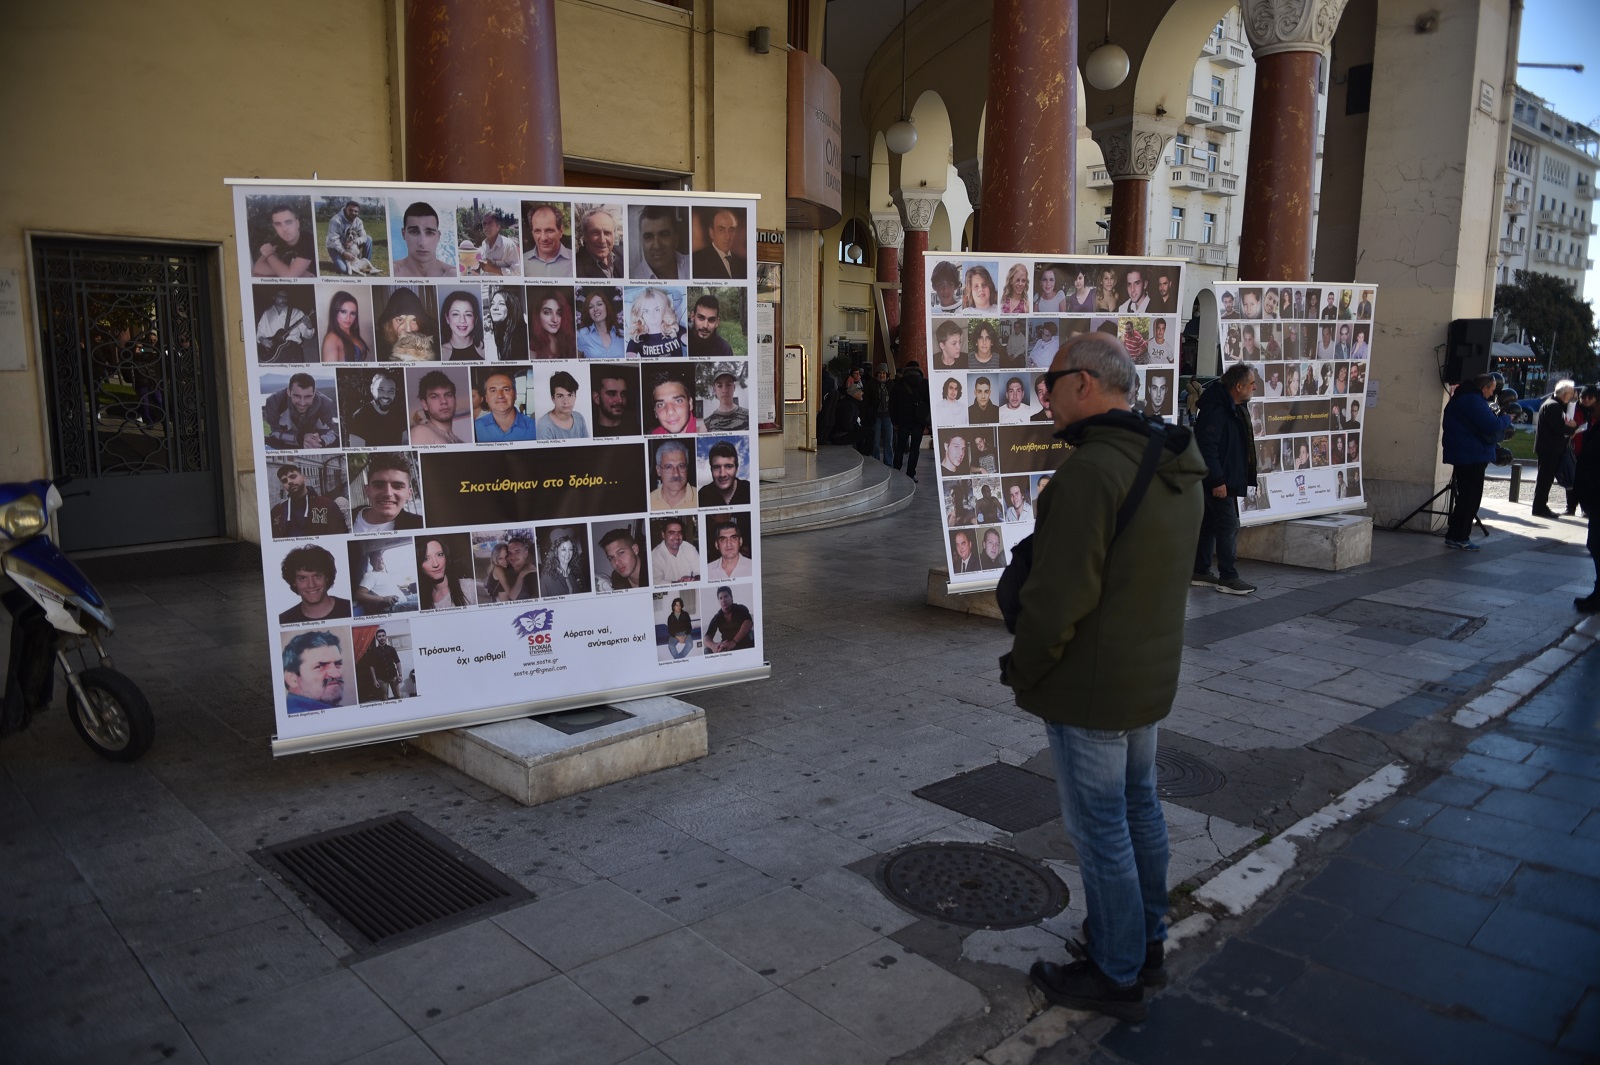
[(1472, 430), (908, 408), (1551, 430), (1222, 430), (878, 428), (1099, 639)]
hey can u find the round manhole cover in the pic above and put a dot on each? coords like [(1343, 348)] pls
[(1180, 775), (971, 884)]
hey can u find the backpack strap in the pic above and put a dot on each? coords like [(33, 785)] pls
[(1142, 479)]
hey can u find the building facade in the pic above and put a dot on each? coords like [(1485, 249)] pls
[(1547, 208)]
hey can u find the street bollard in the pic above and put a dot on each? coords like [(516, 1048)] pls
[(1516, 480)]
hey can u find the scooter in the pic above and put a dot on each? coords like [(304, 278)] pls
[(56, 618)]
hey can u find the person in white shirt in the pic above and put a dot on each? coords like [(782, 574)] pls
[(1017, 506), (675, 559), (660, 259), (731, 562), (1158, 350), (1015, 410), (547, 256), (498, 254), (1138, 300)]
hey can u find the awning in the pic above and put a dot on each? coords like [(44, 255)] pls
[(1513, 352)]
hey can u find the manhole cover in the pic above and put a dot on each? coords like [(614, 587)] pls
[(1408, 619), (1009, 798), (971, 884), (1180, 775), (390, 880)]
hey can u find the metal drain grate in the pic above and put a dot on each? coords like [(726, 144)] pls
[(1181, 776), (971, 884), (1009, 798), (390, 879)]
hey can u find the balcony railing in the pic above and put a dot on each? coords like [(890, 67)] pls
[(1550, 218), (1225, 184), (1099, 247), (1181, 249), (1197, 111), (1585, 192), (1511, 246), (1212, 254), (1228, 119), (1187, 177), (1230, 54), (1545, 255), (1099, 178)]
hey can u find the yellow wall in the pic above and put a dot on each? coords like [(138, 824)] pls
[(124, 119)]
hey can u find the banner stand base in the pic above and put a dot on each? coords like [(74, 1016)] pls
[(1331, 542), (979, 601), (533, 762)]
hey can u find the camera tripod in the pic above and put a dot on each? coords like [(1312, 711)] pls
[(1448, 491)]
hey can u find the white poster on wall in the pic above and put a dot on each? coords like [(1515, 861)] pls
[(1311, 345), (504, 449), (994, 324)]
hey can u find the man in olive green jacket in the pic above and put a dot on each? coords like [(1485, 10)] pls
[(1098, 644)]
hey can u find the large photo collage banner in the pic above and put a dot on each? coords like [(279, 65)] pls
[(504, 448), (1311, 346), (994, 325)]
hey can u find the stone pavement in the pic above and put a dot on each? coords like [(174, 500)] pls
[(1457, 926), (724, 910)]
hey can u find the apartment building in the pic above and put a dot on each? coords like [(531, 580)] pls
[(1547, 201)]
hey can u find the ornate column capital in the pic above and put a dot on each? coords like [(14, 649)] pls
[(1132, 147), (972, 178), (918, 206), (886, 229), (1290, 25)]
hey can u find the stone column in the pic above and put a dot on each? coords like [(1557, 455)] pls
[(481, 99), (1132, 149), (1030, 145), (1289, 39), (887, 231), (919, 207)]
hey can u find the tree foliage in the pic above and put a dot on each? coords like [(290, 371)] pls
[(1554, 317)]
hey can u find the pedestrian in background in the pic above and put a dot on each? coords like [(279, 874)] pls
[(1100, 668), (909, 410), (1552, 429), (1222, 431)]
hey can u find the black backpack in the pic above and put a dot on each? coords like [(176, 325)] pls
[(1008, 593)]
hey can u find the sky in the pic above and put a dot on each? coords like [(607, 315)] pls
[(1565, 31)]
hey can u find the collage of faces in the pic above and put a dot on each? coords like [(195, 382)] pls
[(994, 328), (507, 344), (1311, 346), (1007, 314)]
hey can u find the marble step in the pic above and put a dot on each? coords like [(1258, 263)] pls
[(890, 491), (810, 474)]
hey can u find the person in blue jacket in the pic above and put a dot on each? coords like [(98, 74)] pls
[(1472, 431)]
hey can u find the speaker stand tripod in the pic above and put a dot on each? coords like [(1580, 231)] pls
[(1449, 492)]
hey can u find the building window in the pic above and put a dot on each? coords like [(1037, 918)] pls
[(1180, 150), (1216, 90), (1216, 154), (1221, 24), (1520, 157), (1175, 230), (1208, 228)]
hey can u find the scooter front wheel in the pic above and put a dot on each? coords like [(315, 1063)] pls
[(126, 725)]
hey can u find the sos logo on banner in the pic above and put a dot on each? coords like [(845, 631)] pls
[(536, 625)]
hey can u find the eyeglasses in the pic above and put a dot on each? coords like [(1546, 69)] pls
[(1053, 376)]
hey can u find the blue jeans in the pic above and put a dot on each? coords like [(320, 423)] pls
[(883, 440), (1107, 785), (678, 648), (1219, 529)]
